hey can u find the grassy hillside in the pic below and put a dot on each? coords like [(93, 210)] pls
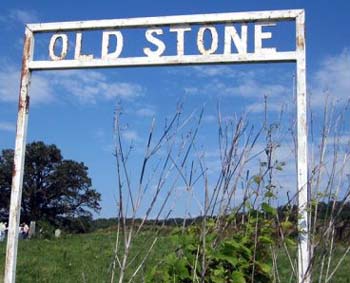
[(73, 258), (88, 257)]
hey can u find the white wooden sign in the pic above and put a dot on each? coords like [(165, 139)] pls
[(112, 44)]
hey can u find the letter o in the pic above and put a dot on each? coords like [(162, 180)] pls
[(53, 40), (214, 40)]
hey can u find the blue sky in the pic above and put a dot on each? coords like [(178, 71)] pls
[(74, 109)]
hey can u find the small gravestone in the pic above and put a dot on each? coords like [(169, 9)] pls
[(31, 229), (2, 231), (57, 233)]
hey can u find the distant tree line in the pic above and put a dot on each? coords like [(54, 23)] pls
[(342, 221), (58, 193)]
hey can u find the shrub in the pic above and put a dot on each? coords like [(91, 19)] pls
[(242, 254)]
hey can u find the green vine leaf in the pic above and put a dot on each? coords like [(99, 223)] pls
[(238, 277)]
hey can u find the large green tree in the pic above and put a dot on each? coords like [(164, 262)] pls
[(53, 188)]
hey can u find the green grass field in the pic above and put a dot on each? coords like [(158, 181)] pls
[(72, 258), (88, 257)]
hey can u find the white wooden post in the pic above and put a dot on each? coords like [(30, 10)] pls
[(304, 250), (18, 167)]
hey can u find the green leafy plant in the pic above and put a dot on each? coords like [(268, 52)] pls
[(241, 254)]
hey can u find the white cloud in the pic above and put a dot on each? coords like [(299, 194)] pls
[(121, 89), (19, 16), (214, 71), (40, 89), (228, 81), (268, 74), (210, 118), (191, 90), (130, 135), (146, 112), (248, 87), (335, 140), (343, 139), (272, 106), (87, 86), (9, 85), (255, 88), (23, 16), (333, 77), (6, 126)]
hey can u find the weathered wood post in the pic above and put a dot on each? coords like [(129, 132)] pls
[(304, 246), (18, 167)]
